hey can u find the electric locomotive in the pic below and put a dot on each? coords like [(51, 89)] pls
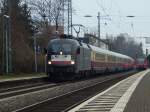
[(68, 57), (62, 57)]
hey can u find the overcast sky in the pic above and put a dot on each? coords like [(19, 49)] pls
[(118, 10)]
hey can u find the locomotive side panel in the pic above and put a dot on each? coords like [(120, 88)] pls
[(79, 60), (86, 59)]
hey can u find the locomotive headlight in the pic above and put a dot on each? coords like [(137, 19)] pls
[(49, 62), (61, 53), (72, 62)]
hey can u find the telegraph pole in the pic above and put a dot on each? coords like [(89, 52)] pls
[(70, 31), (71, 16), (63, 21), (68, 17), (99, 33), (98, 17)]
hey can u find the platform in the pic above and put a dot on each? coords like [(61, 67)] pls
[(129, 95), (11, 78)]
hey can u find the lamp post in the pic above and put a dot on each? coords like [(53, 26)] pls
[(98, 18), (99, 24), (88, 16), (131, 16), (7, 67), (99, 33), (35, 50)]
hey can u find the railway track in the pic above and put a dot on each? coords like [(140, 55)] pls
[(66, 101), (24, 89), (28, 88), (4, 85), (31, 87), (2, 90)]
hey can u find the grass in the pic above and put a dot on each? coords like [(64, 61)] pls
[(13, 76)]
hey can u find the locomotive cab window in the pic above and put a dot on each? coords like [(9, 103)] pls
[(58, 47), (78, 50)]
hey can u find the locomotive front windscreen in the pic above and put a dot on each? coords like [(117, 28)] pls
[(58, 47)]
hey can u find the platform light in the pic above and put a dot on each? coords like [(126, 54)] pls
[(49, 62), (72, 62)]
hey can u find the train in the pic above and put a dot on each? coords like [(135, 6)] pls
[(69, 58), (141, 64)]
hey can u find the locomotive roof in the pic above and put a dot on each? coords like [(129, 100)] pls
[(69, 40)]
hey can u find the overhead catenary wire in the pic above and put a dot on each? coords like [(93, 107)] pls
[(109, 15)]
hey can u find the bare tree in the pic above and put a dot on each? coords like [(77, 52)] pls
[(50, 11), (121, 45), (41, 8), (3, 6), (57, 10), (2, 3)]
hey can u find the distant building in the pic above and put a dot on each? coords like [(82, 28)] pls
[(145, 41), (146, 45)]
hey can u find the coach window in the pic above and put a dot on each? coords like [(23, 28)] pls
[(118, 60), (113, 59), (100, 57), (109, 58)]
